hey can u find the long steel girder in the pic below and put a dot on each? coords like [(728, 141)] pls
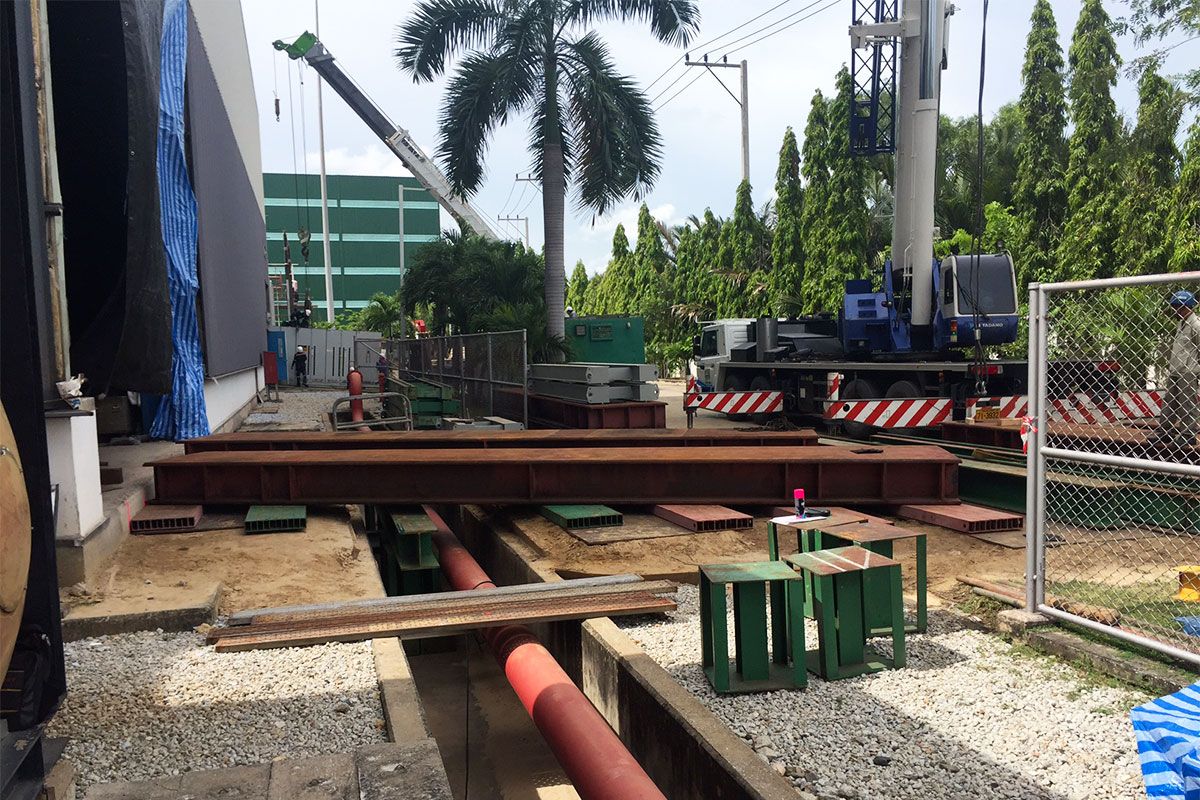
[(562, 439), (625, 475)]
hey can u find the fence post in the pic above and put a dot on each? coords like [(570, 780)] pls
[(1039, 460), (525, 377), (491, 387), (1031, 556)]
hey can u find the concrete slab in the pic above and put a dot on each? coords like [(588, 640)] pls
[(1015, 621), (330, 777), (160, 789), (411, 771), (401, 703), (235, 783), (175, 608)]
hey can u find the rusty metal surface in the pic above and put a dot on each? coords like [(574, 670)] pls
[(704, 517), (964, 517), (554, 412), (412, 440), (620, 475), (165, 519), (983, 433)]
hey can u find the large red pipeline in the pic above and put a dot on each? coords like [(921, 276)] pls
[(354, 386), (590, 753)]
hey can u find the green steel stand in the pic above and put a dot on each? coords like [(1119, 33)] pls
[(839, 602), (756, 669)]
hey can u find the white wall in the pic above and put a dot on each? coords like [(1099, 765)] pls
[(225, 396), (75, 466)]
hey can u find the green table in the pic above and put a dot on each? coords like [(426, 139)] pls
[(838, 604), (757, 669)]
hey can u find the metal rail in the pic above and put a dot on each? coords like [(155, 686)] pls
[(566, 439), (622, 475), (368, 423)]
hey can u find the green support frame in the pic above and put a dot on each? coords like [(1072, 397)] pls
[(757, 669)]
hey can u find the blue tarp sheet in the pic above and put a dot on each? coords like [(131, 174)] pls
[(182, 414), (1168, 738)]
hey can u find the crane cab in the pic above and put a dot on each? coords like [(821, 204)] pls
[(975, 293)]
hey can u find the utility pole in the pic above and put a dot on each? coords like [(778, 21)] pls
[(744, 102), (518, 219), (329, 312), (400, 292)]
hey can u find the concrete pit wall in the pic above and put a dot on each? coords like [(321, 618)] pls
[(684, 747)]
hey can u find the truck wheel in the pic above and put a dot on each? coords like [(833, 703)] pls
[(736, 383), (859, 389), (760, 384), (903, 390)]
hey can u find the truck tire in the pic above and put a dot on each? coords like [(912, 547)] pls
[(736, 383), (903, 390), (859, 389)]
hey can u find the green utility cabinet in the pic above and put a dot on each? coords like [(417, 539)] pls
[(607, 340)]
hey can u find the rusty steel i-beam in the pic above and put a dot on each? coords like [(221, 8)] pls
[(430, 440), (620, 475)]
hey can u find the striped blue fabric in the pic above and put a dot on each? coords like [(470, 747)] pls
[(182, 414), (1168, 740)]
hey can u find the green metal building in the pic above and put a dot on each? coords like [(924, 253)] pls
[(364, 223)]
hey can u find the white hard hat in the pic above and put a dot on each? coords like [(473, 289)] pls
[(300, 349)]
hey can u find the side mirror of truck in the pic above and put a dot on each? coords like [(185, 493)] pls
[(695, 346)]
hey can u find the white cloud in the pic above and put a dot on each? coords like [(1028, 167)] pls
[(372, 159)]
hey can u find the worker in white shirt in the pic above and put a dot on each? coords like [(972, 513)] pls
[(1180, 417)]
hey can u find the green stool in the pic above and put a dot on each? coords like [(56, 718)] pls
[(839, 602), (878, 538), (757, 670)]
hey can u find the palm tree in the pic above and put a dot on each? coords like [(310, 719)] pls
[(537, 58), (384, 314)]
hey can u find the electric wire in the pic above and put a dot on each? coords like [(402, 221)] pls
[(784, 28), (664, 103), (504, 207), (700, 47), (668, 87), (976, 240)]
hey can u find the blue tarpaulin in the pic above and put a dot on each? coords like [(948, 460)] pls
[(1168, 739), (182, 414)]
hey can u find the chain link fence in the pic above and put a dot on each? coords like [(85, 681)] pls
[(487, 371), (1114, 486)]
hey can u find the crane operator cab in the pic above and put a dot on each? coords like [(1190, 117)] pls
[(975, 293)]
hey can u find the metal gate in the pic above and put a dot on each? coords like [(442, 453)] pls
[(1113, 494)]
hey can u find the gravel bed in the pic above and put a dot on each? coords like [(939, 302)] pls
[(969, 717), (297, 409), (150, 704)]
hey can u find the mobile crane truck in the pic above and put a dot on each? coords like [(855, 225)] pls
[(910, 355)]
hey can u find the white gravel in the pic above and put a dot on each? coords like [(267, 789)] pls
[(969, 717), (150, 704)]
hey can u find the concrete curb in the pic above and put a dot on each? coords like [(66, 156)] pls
[(181, 618)]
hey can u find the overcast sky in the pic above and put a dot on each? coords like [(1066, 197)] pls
[(700, 126)]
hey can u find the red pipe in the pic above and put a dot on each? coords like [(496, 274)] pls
[(354, 386), (590, 753)]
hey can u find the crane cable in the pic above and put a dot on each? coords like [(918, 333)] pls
[(977, 239)]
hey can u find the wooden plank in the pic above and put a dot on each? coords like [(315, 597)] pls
[(438, 602), (441, 624), (265, 614)]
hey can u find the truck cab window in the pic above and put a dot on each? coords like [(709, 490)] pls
[(708, 343)]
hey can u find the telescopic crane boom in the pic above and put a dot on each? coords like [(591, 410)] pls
[(310, 48)]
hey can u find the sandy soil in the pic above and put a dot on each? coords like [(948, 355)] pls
[(325, 562)]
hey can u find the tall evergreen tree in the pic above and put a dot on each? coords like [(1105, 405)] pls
[(1040, 194), (577, 287), (838, 250), (614, 288), (815, 169), (787, 247), (1147, 190), (1184, 226), (741, 258), (649, 273), (1090, 229)]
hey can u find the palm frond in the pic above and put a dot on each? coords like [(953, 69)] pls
[(616, 140), (484, 90), (438, 29), (672, 21)]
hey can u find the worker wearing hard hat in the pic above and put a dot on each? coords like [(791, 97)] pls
[(1180, 417), (300, 366)]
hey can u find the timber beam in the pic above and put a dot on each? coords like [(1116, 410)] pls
[(614, 475)]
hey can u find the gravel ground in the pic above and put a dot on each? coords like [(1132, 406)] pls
[(145, 705), (969, 717), (298, 409)]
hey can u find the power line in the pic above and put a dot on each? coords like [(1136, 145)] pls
[(504, 207), (700, 47), (778, 30), (668, 87), (663, 104)]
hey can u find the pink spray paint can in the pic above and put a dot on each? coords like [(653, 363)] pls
[(798, 496)]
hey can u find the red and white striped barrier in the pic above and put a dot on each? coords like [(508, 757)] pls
[(763, 402), (927, 412)]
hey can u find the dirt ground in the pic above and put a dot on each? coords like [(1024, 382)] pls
[(324, 562), (677, 557)]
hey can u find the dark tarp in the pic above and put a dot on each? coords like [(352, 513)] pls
[(232, 257), (105, 68)]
